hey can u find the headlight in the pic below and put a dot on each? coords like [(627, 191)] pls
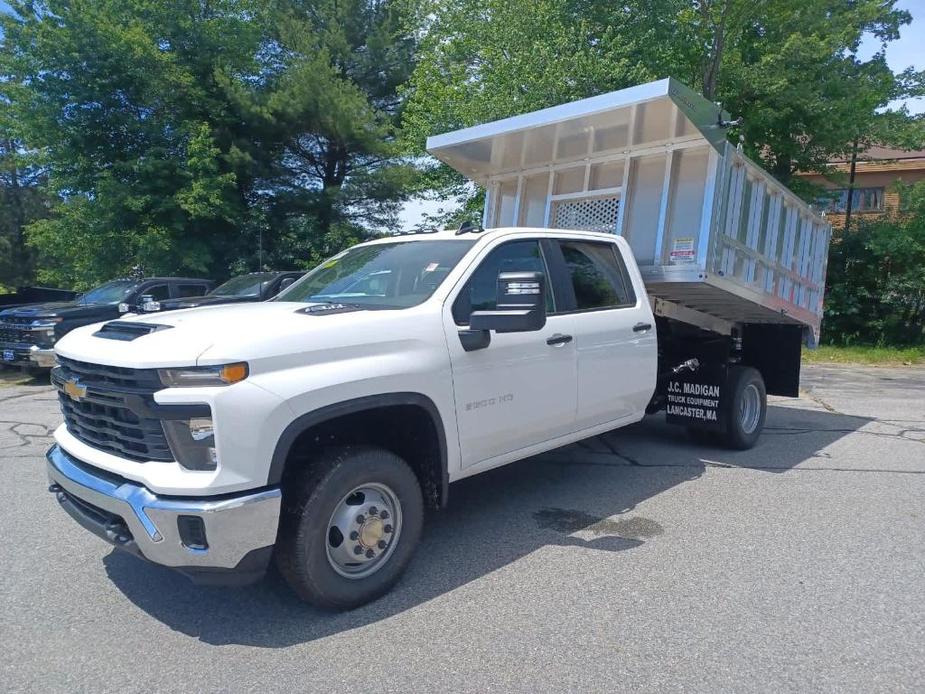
[(44, 323), (193, 376)]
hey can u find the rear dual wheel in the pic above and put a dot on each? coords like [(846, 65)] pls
[(743, 419), (748, 407)]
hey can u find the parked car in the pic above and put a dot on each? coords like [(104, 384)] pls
[(29, 333), (34, 295), (256, 286)]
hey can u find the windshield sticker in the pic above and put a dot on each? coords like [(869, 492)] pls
[(431, 267)]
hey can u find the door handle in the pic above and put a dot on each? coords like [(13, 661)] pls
[(558, 339), (642, 327)]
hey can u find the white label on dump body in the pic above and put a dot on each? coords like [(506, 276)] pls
[(682, 251)]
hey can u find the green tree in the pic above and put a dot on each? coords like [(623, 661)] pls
[(338, 105), (789, 68), (205, 137), (21, 201)]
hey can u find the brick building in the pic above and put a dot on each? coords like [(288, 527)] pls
[(877, 171)]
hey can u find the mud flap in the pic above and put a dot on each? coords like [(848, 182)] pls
[(698, 399)]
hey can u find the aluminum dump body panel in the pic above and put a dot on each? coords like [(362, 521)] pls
[(709, 228)]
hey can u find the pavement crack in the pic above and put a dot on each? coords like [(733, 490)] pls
[(613, 449), (819, 401)]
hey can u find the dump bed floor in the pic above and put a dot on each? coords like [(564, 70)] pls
[(729, 303)]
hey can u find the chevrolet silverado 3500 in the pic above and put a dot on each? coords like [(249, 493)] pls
[(316, 428)]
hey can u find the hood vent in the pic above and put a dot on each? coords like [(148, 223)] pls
[(127, 331)]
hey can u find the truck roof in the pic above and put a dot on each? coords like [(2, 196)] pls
[(450, 234)]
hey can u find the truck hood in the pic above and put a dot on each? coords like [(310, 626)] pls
[(207, 300), (63, 309), (229, 332)]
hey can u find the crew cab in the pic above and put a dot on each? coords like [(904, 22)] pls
[(29, 333), (254, 286), (315, 428)]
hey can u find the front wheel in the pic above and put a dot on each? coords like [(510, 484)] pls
[(349, 527), (747, 407)]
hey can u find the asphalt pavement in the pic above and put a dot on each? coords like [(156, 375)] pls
[(634, 561)]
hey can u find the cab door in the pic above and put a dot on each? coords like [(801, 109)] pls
[(520, 390), (614, 332)]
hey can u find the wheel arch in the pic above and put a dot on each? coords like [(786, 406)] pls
[(316, 420)]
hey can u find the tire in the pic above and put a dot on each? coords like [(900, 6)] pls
[(320, 528), (747, 409)]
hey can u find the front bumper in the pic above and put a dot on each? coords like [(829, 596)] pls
[(27, 355), (226, 539)]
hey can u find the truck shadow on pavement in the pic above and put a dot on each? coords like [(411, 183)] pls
[(582, 496)]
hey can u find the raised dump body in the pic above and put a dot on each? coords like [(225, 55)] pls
[(710, 229)]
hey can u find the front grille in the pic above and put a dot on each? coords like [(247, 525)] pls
[(107, 416), (14, 330)]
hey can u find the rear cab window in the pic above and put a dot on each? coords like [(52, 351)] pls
[(187, 290), (598, 275)]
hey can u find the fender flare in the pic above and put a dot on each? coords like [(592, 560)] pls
[(369, 402)]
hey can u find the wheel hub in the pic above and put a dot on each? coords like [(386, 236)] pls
[(371, 532), (363, 530)]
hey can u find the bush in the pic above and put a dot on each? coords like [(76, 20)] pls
[(875, 293)]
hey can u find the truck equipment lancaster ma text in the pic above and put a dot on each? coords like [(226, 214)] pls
[(632, 261)]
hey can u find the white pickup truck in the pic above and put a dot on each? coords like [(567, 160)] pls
[(316, 427)]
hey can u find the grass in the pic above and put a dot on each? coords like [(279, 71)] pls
[(861, 354)]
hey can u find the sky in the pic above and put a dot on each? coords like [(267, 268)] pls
[(908, 51)]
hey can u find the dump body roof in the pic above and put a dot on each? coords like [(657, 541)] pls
[(486, 150)]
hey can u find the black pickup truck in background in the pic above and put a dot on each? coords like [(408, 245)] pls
[(256, 286), (28, 333)]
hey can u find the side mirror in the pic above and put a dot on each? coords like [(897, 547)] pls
[(286, 283), (521, 305)]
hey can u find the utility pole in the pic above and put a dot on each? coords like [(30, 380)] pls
[(851, 171)]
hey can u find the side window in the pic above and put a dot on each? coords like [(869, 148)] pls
[(481, 290), (185, 290), (598, 275), (157, 292)]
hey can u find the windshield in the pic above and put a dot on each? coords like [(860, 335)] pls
[(109, 293), (386, 275), (245, 285)]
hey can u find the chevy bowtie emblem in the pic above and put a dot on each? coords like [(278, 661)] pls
[(75, 390)]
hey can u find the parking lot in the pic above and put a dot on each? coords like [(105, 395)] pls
[(633, 561)]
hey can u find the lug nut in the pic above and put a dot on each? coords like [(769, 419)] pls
[(388, 528), (358, 550), (370, 554), (354, 535), (373, 510), (361, 519), (381, 544), (384, 515)]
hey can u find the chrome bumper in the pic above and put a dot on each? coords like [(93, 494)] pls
[(42, 358), (232, 534)]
